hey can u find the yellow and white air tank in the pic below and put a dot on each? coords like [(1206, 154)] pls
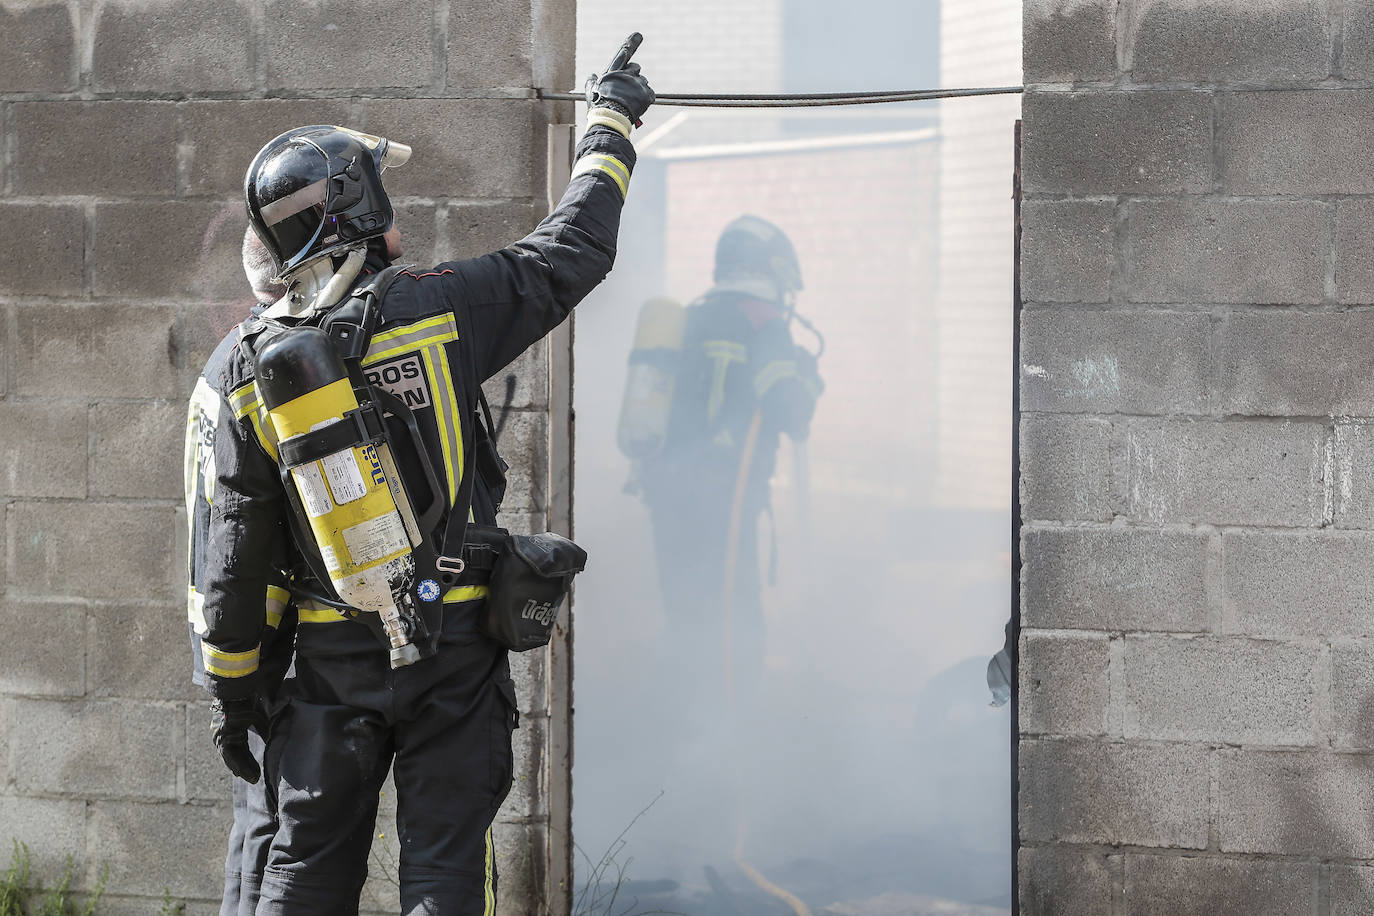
[(650, 380), (360, 519)]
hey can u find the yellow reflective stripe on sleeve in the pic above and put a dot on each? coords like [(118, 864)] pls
[(244, 398), (465, 593), (229, 664), (266, 434), (488, 888), (277, 599), (599, 162), (432, 332), (607, 117), (773, 373)]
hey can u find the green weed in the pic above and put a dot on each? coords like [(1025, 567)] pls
[(19, 896)]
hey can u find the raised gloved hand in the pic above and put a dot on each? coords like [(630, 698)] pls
[(622, 88), (230, 721)]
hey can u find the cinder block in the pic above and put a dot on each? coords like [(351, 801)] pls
[(1355, 252), (1115, 579), (1078, 790), (470, 230), (1063, 684), (524, 444), (1226, 473), (137, 448), (1223, 251), (1261, 41), (1238, 691), (186, 45), (52, 829), (489, 45), (1299, 584), (203, 326), (40, 42), (1357, 49), (46, 453), (467, 148), (111, 350), (184, 249), (417, 222), (1204, 886), (527, 798), (42, 648), (519, 865), (1064, 881), (1354, 471), (1306, 143), (1065, 467), (1115, 362), (530, 373), (99, 747), (1068, 41), (1258, 374), (1111, 142), (102, 148), (522, 522), (1297, 804), (1351, 890), (1067, 250), (53, 242), (155, 847), (1352, 695), (207, 778), (95, 550), (332, 44), (220, 139), (139, 651)]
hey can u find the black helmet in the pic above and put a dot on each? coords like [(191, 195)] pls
[(315, 190), (754, 246)]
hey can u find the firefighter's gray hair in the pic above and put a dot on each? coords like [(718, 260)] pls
[(260, 269)]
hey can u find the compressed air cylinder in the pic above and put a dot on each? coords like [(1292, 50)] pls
[(348, 501), (650, 379)]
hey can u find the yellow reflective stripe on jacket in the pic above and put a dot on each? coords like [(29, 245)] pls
[(277, 599), (431, 332), (465, 593), (488, 889), (723, 352), (600, 162), (246, 403), (229, 664), (243, 399), (773, 373)]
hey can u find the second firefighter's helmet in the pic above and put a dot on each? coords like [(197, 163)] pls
[(751, 246), (316, 190)]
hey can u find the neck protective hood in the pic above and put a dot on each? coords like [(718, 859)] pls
[(315, 191)]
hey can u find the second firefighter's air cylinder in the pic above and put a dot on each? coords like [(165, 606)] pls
[(351, 508), (650, 380)]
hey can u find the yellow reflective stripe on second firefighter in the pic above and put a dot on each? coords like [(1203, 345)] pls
[(773, 373), (229, 664), (277, 599), (600, 162)]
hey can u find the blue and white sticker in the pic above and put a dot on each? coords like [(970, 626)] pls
[(428, 589)]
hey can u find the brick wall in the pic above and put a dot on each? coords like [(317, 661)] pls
[(125, 130), (1195, 690)]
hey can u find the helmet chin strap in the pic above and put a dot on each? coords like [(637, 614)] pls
[(317, 286)]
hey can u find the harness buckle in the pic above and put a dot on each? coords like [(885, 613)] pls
[(452, 565)]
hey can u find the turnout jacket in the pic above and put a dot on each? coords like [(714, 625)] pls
[(279, 616), (441, 333)]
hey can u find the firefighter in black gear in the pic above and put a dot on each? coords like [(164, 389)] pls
[(254, 815), (315, 197), (740, 383)]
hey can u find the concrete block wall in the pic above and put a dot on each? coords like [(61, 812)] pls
[(125, 130), (1196, 702)]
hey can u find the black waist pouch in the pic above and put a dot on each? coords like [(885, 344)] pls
[(528, 585)]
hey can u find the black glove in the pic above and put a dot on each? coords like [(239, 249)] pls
[(230, 721), (625, 91)]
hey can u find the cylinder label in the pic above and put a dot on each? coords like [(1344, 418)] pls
[(314, 494), (376, 538)]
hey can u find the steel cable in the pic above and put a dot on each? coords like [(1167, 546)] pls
[(798, 100)]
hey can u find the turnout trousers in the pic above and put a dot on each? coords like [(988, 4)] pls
[(444, 724)]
